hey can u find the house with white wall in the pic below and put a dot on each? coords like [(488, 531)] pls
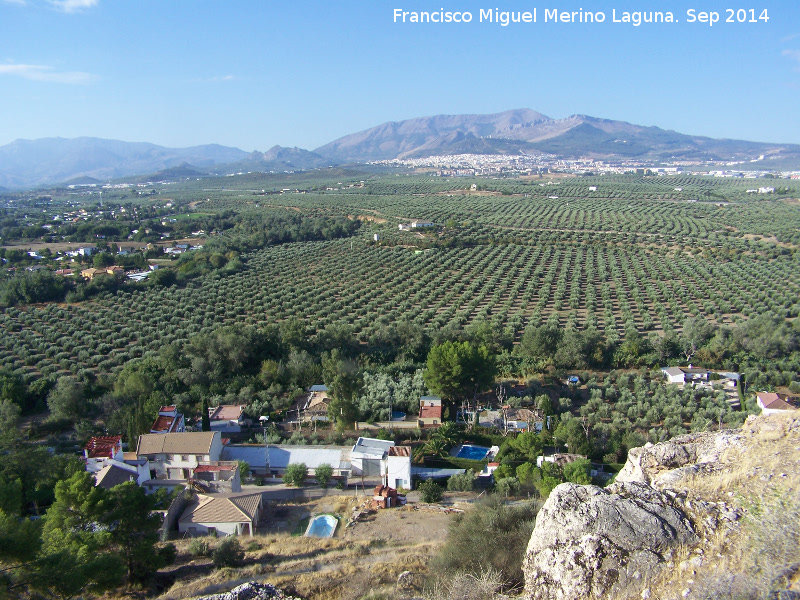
[(368, 455), (772, 403), (398, 467), (169, 420), (100, 450), (222, 515), (174, 456)]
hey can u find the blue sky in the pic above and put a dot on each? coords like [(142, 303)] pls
[(255, 74)]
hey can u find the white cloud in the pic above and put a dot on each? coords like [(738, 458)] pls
[(45, 73), (73, 5), (794, 55), (215, 79)]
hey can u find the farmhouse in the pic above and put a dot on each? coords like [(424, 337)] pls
[(272, 460), (367, 456), (688, 374), (217, 477), (104, 457), (771, 403), (100, 450), (398, 467), (114, 473), (430, 411), (174, 456), (226, 515), (315, 407), (227, 418), (522, 419)]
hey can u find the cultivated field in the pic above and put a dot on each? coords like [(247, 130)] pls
[(641, 252)]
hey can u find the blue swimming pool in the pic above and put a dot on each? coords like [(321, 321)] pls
[(472, 452), (322, 526)]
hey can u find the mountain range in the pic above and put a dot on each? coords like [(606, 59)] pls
[(48, 161)]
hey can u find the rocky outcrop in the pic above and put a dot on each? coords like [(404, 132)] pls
[(590, 542), (676, 508), (663, 464), (251, 591)]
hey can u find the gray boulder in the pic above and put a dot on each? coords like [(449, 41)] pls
[(251, 590), (662, 465), (590, 542)]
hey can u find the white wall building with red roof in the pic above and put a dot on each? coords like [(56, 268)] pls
[(169, 420)]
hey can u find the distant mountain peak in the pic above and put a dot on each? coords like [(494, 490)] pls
[(525, 130), (47, 161)]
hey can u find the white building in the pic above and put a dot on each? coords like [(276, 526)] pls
[(367, 456), (771, 403), (398, 467), (673, 374), (174, 456)]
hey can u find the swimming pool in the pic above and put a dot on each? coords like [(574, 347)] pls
[(472, 452), (322, 526)]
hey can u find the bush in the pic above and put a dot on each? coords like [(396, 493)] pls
[(199, 547), (229, 553), (431, 491), (323, 474), (492, 536), (467, 586), (464, 482), (296, 474), (508, 486)]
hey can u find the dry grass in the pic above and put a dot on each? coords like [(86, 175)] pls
[(761, 553), (768, 457), (360, 562)]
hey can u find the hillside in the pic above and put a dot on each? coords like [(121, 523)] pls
[(178, 173), (277, 158), (48, 161), (524, 130), (30, 163), (708, 515), (406, 138)]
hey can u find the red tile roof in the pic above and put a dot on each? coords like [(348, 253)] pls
[(212, 468), (163, 424), (400, 451), (430, 412), (103, 447)]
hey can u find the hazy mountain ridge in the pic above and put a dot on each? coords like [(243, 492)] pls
[(278, 158), (28, 163), (405, 138), (524, 130), (48, 161)]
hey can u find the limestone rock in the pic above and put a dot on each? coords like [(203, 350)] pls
[(251, 591), (664, 464), (590, 542)]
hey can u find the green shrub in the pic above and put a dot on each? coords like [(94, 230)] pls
[(431, 491), (229, 553), (491, 536), (198, 547), (323, 474), (507, 486), (463, 482), (296, 474)]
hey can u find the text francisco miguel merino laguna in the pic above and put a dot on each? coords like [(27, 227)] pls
[(636, 18)]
